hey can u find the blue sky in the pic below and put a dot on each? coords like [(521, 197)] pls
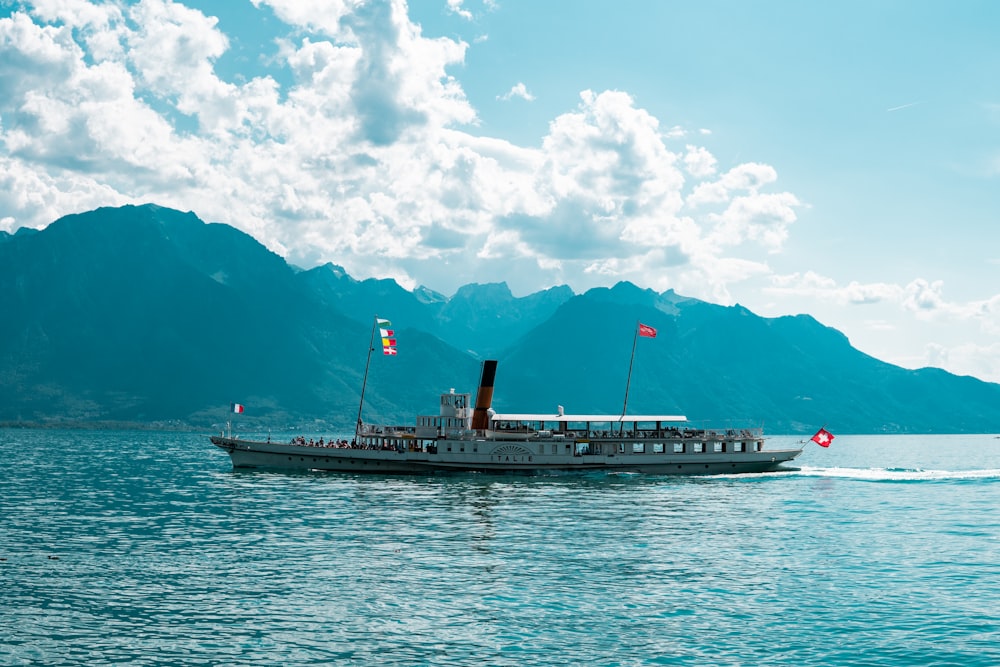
[(837, 159)]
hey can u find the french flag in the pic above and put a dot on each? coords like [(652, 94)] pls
[(236, 408)]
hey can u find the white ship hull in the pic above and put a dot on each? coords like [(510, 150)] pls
[(502, 457)]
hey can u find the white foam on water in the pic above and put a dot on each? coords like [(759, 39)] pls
[(896, 474)]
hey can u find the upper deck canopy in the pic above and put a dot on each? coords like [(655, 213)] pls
[(600, 419)]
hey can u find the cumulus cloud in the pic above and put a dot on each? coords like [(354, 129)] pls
[(322, 17), (517, 90), (367, 156), (921, 296), (982, 361), (699, 162), (455, 7), (923, 299), (815, 286), (745, 177)]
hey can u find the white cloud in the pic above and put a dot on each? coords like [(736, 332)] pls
[(763, 218), (812, 285), (699, 162), (920, 298), (981, 361), (748, 177), (859, 293), (455, 7), (364, 158), (517, 90), (320, 16), (923, 297)]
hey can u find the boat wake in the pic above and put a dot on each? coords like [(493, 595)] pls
[(895, 474)]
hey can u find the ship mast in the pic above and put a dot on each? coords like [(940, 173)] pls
[(364, 382), (635, 338), (646, 332)]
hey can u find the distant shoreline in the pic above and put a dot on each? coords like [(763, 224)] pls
[(103, 426), (171, 425)]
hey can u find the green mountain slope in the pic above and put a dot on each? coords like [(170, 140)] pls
[(144, 314)]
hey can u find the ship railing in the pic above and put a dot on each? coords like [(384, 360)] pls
[(387, 430), (514, 427), (667, 433)]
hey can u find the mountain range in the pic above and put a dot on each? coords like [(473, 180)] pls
[(144, 315)]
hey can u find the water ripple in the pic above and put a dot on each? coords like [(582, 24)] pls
[(147, 549)]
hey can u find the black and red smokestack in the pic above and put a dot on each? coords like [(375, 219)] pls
[(484, 396)]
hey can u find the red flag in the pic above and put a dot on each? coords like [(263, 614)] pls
[(389, 351), (823, 438), (647, 331)]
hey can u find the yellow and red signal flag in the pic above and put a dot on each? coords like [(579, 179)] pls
[(388, 337)]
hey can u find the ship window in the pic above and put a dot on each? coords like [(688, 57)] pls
[(699, 447), (657, 447), (638, 447), (678, 448), (555, 449), (541, 449), (739, 446), (720, 447), (621, 447)]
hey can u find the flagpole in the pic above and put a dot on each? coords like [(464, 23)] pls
[(635, 337), (364, 382)]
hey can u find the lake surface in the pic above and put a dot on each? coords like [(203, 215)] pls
[(146, 548)]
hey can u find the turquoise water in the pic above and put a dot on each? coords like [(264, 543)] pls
[(147, 548)]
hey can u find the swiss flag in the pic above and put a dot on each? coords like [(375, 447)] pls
[(823, 438), (647, 331)]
